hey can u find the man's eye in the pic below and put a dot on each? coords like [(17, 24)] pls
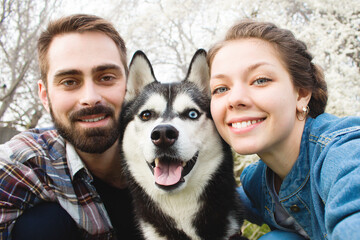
[(220, 90), (261, 81), (107, 78), (69, 83)]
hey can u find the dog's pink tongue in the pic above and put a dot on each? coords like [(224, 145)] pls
[(167, 174)]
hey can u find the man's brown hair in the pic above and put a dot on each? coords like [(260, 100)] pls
[(78, 23)]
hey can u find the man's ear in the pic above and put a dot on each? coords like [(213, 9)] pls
[(304, 96), (43, 95)]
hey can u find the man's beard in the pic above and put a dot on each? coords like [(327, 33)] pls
[(91, 140)]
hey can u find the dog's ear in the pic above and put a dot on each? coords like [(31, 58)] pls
[(141, 73), (198, 72)]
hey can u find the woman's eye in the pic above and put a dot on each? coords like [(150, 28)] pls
[(193, 114), (220, 90), (145, 115), (261, 81)]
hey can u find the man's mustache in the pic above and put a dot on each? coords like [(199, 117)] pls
[(98, 109)]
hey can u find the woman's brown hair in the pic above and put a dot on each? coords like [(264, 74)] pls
[(294, 53)]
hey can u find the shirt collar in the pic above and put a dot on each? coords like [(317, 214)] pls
[(74, 161)]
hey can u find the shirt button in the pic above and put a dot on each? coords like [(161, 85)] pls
[(295, 208)]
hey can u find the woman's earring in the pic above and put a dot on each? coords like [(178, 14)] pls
[(302, 116)]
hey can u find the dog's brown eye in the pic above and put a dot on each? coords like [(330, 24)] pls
[(145, 115)]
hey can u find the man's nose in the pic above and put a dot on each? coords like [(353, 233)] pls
[(90, 95)]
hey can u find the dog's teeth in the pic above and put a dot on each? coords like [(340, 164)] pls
[(156, 162), (184, 164)]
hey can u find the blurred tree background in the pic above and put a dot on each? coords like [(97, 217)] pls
[(169, 32)]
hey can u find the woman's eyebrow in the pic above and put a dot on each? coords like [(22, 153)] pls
[(256, 65), (218, 76)]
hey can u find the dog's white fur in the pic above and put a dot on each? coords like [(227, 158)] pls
[(182, 203)]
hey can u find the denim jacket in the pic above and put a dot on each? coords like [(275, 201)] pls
[(322, 190)]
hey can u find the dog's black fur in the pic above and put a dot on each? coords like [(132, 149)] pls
[(219, 197)]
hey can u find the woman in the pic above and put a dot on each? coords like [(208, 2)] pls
[(268, 98)]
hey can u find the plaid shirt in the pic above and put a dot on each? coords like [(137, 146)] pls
[(38, 166)]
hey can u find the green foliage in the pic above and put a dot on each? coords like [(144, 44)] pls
[(253, 231), (249, 230)]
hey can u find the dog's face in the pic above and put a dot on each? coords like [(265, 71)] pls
[(168, 131)]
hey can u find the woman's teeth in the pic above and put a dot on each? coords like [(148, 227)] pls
[(245, 123)]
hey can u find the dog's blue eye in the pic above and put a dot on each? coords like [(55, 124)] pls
[(145, 115), (193, 114)]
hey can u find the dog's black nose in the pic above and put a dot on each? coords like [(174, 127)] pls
[(164, 136)]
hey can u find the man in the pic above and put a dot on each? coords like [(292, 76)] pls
[(66, 183)]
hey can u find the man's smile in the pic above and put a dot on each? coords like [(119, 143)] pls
[(93, 118)]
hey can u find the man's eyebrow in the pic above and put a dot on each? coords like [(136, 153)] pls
[(106, 67), (67, 72)]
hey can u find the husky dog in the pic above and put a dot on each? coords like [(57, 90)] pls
[(180, 171)]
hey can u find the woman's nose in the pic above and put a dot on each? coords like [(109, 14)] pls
[(238, 97)]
